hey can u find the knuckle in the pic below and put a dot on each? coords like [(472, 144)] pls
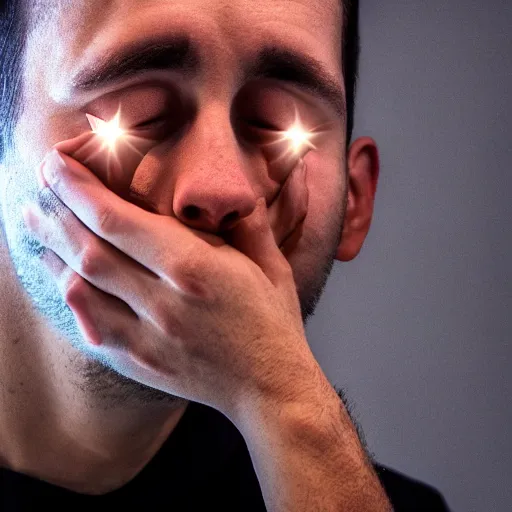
[(191, 278), (166, 318), (91, 263), (107, 220), (74, 289)]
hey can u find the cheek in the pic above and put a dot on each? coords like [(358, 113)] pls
[(326, 185), (311, 256), (30, 142), (20, 185)]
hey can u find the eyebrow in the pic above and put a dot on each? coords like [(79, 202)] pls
[(300, 70), (180, 53), (176, 53)]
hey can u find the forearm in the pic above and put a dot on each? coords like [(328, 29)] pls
[(308, 457)]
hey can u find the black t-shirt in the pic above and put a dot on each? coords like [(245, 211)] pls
[(204, 465)]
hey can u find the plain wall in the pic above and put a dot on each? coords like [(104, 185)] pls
[(417, 329)]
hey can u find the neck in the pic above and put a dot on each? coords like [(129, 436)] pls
[(66, 419)]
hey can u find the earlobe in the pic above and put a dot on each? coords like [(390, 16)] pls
[(363, 173)]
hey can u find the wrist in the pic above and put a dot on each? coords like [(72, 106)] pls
[(296, 400)]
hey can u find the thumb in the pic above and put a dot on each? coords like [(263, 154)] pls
[(254, 237)]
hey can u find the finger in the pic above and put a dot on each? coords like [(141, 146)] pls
[(82, 147), (102, 319), (281, 155), (160, 243), (94, 259), (253, 237), (114, 167), (106, 322), (290, 208)]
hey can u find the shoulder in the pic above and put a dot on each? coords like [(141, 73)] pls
[(408, 494)]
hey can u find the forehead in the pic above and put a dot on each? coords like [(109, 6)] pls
[(81, 18), (78, 32)]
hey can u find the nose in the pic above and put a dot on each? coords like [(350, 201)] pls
[(212, 192)]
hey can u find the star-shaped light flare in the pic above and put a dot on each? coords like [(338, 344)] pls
[(113, 135), (111, 131), (298, 138), (117, 141)]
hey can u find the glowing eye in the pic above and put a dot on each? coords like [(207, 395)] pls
[(298, 137), (111, 131)]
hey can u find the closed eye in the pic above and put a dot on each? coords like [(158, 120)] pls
[(256, 123), (150, 122)]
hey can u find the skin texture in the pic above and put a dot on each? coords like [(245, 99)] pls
[(98, 427)]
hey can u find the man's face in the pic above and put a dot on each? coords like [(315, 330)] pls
[(204, 96)]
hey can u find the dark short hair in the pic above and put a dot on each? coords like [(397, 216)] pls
[(14, 25)]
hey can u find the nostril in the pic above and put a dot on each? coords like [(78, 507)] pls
[(191, 212), (229, 220)]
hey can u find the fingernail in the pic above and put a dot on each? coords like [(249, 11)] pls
[(53, 166), (39, 176)]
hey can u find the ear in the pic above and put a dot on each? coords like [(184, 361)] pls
[(363, 175)]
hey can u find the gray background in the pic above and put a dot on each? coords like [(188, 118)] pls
[(417, 329)]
